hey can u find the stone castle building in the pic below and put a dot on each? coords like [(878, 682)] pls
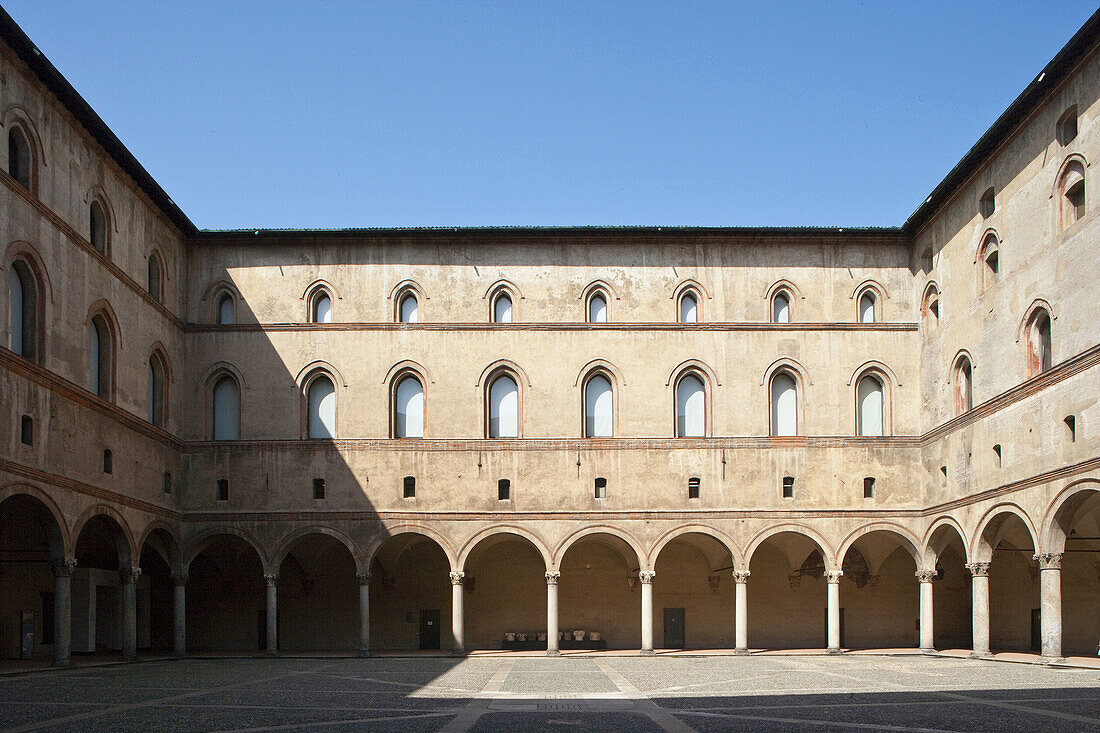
[(384, 439)]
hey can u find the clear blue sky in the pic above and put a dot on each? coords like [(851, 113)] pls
[(340, 114)]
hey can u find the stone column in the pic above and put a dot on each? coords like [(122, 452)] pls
[(364, 613), (456, 612), (832, 577), (927, 628), (646, 578), (179, 615), (128, 577), (979, 588), (741, 611), (272, 612), (1050, 604), (552, 613), (63, 569)]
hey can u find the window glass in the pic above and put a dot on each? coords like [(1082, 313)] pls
[(781, 309), (690, 407), (598, 413), (154, 277), (409, 311), (597, 309), (867, 308), (322, 309), (502, 309), (322, 408), (870, 406), (227, 398), (409, 415), (227, 309), (784, 405), (503, 408), (689, 309), (16, 319)]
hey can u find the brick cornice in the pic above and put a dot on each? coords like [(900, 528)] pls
[(1090, 464), (547, 326)]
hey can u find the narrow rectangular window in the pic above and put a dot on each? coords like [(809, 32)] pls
[(408, 487), (108, 461), (167, 482), (693, 487), (1071, 428), (869, 487), (788, 487), (504, 489), (601, 488), (26, 430), (318, 488), (223, 489), (997, 455)]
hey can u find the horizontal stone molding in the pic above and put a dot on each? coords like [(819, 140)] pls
[(545, 326), (1091, 464)]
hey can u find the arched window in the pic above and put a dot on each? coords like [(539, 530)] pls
[(157, 390), (990, 259), (691, 407), (503, 408), (784, 396), (964, 385), (502, 308), (870, 416), (20, 158), (1067, 126), (156, 277), (867, 307), (226, 309), (226, 409), (599, 408), (100, 351), (930, 307), (321, 398), (1072, 190), (689, 307), (408, 408), (987, 204), (1038, 343), (320, 306), (781, 307), (97, 227), (22, 310), (597, 307), (408, 310)]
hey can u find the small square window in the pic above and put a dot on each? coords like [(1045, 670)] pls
[(693, 487), (1067, 126), (318, 488), (869, 487), (108, 461), (26, 430), (601, 488), (1070, 422), (223, 489), (997, 455), (167, 482), (408, 487), (504, 490), (788, 487), (988, 203)]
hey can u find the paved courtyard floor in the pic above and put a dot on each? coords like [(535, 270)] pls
[(527, 693)]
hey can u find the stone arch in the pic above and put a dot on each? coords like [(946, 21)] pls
[(216, 370), (68, 543), (1071, 160), (801, 374), (502, 364), (287, 542), (410, 366), (797, 528), (207, 536), (96, 510), (687, 284), (500, 529), (175, 558), (909, 540), (981, 549), (1036, 305), (1061, 514), (502, 284), (693, 365), (595, 529), (20, 249), (596, 365), (408, 285), (721, 537), (306, 373), (388, 533), (320, 282), (932, 548), (783, 284)]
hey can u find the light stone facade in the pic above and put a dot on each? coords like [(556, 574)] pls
[(962, 541)]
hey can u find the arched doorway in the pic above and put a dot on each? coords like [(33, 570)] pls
[(31, 545), (410, 594), (787, 593), (951, 594), (1014, 620), (599, 593), (318, 596), (693, 593), (105, 589), (156, 607), (879, 592), (226, 601), (1075, 531), (505, 594)]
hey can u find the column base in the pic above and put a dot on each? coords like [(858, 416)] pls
[(646, 652), (553, 652), (270, 653), (1050, 660), (834, 651), (741, 652), (363, 653), (179, 655), (62, 664), (458, 652), (979, 655), (929, 650), (129, 657)]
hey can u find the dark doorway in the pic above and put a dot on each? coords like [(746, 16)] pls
[(1036, 629), (429, 629), (674, 628)]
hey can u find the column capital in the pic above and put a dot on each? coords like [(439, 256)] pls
[(457, 577), (129, 575), (741, 576), (552, 577), (646, 576), (63, 567), (1049, 560), (833, 576), (363, 577), (926, 576), (978, 569), (179, 578), (272, 579)]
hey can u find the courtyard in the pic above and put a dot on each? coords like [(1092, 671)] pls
[(591, 692)]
